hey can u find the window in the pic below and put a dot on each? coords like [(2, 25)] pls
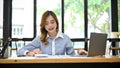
[(43, 5), (98, 16), (74, 18), (22, 19), (22, 22), (1, 19)]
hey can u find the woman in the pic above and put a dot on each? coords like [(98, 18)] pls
[(51, 41)]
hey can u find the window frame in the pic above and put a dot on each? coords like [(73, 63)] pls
[(7, 17)]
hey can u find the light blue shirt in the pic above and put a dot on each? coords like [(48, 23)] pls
[(62, 45)]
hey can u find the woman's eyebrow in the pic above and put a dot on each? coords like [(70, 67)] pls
[(52, 20)]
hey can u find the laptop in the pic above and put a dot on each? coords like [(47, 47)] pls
[(97, 45)]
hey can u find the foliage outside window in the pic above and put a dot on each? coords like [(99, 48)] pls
[(74, 18), (98, 16)]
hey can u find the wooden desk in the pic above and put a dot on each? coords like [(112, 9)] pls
[(60, 62), (61, 59)]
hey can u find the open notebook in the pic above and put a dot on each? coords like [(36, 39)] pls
[(97, 45)]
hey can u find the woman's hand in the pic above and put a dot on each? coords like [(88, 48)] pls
[(30, 53), (35, 51), (81, 52)]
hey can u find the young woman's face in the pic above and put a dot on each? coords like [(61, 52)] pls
[(50, 24)]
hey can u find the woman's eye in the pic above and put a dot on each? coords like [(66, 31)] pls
[(52, 22)]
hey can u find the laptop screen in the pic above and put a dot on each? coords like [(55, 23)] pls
[(97, 44)]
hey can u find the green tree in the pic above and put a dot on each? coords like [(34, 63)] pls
[(96, 9), (74, 7)]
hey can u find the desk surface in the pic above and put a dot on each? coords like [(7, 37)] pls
[(60, 59)]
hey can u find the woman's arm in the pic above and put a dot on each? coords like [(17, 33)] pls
[(35, 51), (35, 43)]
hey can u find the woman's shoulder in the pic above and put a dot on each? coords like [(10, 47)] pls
[(65, 35), (37, 38)]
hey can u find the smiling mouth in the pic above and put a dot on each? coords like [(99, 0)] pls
[(51, 29)]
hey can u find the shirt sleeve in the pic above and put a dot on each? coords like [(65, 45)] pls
[(35, 43), (69, 47)]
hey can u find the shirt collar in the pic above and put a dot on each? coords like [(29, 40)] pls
[(59, 34)]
